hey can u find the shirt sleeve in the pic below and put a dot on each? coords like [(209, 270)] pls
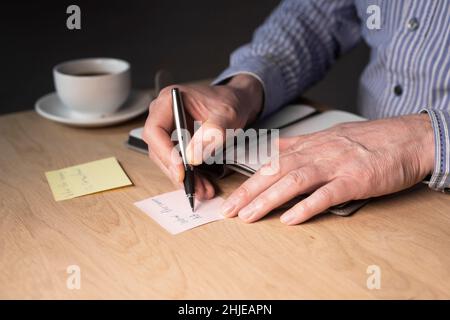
[(440, 121), (295, 47)]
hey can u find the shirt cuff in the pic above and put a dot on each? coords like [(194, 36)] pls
[(269, 76), (440, 121)]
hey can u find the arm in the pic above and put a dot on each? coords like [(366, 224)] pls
[(295, 47)]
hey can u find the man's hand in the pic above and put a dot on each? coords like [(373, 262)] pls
[(347, 162), (218, 107)]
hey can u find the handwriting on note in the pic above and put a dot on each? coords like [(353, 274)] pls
[(172, 211), (87, 178)]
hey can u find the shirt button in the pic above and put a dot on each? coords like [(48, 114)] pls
[(398, 90), (412, 24)]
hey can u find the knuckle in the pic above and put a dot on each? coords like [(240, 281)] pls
[(146, 134), (325, 194), (266, 166), (230, 112), (261, 202), (301, 210), (244, 193), (155, 107), (352, 188), (345, 184), (152, 104), (271, 168), (293, 148), (166, 90), (295, 177)]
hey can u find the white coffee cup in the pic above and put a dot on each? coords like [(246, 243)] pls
[(94, 86)]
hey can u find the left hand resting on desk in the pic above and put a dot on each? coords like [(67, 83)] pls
[(347, 162)]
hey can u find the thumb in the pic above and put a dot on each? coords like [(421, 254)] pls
[(209, 138)]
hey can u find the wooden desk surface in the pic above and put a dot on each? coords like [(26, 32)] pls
[(123, 253)]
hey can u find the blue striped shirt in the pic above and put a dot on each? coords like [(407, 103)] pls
[(408, 72)]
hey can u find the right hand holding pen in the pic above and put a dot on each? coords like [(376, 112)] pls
[(229, 106)]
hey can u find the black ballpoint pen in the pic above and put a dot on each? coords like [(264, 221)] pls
[(180, 125)]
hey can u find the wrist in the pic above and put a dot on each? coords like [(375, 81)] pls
[(423, 130), (250, 93)]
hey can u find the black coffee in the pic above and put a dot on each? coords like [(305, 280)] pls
[(90, 74)]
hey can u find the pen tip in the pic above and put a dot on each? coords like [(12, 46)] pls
[(191, 202)]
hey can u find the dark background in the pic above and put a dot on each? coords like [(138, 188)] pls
[(192, 39)]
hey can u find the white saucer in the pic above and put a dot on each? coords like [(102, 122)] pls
[(52, 108)]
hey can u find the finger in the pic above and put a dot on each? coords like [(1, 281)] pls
[(331, 194), (209, 189), (162, 147), (203, 188), (157, 136), (199, 188), (168, 173), (206, 140), (261, 181), (160, 111), (296, 182)]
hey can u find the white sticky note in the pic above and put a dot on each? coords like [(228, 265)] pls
[(172, 211)]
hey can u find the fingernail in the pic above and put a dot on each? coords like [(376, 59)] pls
[(197, 159), (189, 154), (247, 211), (194, 154), (287, 217), (227, 208)]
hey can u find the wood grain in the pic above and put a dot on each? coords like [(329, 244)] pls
[(122, 253)]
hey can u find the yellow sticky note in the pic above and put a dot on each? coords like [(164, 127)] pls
[(87, 178)]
